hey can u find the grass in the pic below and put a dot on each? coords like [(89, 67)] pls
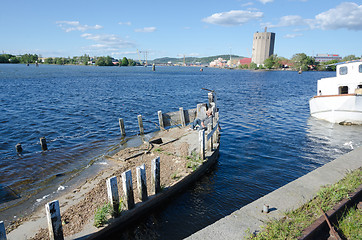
[(294, 222), (193, 161), (103, 213), (351, 224)]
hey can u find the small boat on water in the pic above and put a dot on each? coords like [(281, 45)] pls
[(339, 99)]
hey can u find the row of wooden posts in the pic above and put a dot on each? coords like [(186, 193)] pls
[(182, 121), (206, 141)]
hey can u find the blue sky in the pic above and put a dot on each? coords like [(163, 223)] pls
[(176, 28)]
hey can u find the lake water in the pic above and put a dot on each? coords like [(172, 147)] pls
[(268, 138)]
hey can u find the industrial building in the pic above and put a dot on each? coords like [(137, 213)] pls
[(263, 46), (327, 57)]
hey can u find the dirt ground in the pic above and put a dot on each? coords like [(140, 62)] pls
[(177, 144)]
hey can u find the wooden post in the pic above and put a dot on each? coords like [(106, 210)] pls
[(18, 148), (211, 97), (140, 124), (128, 189), (160, 120), (142, 183), (217, 130), (121, 126), (43, 143), (202, 144), (210, 141), (54, 220), (155, 175), (215, 124), (113, 197), (2, 231), (182, 117)]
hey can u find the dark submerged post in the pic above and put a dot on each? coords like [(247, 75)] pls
[(19, 148), (121, 126), (43, 143)]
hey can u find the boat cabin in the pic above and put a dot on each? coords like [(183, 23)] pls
[(348, 80)]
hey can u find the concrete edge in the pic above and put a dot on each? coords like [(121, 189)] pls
[(286, 198)]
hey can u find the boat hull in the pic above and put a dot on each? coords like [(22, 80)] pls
[(337, 108)]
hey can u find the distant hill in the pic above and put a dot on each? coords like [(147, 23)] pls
[(191, 60)]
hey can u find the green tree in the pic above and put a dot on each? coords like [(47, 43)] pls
[(131, 62), (48, 61), (302, 61), (124, 61), (350, 58), (272, 62), (253, 66)]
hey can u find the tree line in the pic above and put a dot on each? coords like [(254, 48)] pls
[(301, 61), (77, 60)]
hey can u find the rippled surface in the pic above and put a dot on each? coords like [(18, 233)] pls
[(268, 138)]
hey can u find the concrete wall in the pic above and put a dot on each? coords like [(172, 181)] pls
[(263, 46)]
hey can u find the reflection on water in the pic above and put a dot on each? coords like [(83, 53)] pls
[(268, 138)]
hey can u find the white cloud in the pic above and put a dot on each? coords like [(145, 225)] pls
[(233, 17), (125, 23), (107, 42), (266, 1), (347, 15), (69, 26), (247, 4), (293, 35), (145, 29), (291, 20)]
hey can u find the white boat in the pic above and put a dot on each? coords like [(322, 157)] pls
[(339, 99)]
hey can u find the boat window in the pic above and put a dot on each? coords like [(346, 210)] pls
[(343, 90), (343, 70), (360, 68), (359, 86)]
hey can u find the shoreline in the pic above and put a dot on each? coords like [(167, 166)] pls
[(178, 148), (250, 218)]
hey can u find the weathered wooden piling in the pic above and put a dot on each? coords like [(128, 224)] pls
[(128, 189), (140, 124), (113, 197), (54, 220), (160, 120), (155, 175), (43, 143), (2, 231), (142, 183), (182, 117), (212, 97), (202, 144), (209, 139), (19, 148), (153, 67), (121, 126)]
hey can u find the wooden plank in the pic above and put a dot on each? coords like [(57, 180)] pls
[(202, 144), (54, 220), (182, 117), (140, 124), (113, 197), (121, 126), (2, 231), (128, 189), (155, 175), (142, 183), (160, 120)]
